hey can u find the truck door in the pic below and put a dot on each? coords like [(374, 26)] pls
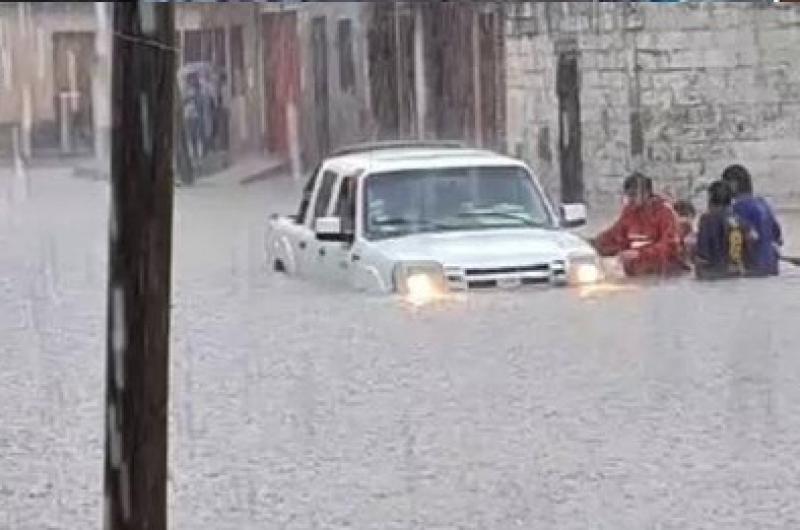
[(337, 259), (311, 252), (299, 233)]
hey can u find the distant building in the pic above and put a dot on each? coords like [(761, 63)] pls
[(46, 64), (352, 71)]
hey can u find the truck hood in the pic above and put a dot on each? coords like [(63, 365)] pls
[(485, 248)]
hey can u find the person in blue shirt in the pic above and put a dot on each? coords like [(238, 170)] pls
[(763, 256)]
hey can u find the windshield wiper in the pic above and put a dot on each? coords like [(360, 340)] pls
[(419, 225), (524, 219), (396, 221)]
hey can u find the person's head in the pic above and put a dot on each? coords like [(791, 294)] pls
[(637, 188), (720, 195), (738, 178), (684, 209)]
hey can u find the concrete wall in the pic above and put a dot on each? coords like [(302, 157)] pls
[(712, 84)]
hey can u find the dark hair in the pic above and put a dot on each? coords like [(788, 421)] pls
[(637, 183), (684, 208), (720, 194), (738, 178)]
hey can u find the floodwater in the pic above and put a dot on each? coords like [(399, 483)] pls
[(668, 405)]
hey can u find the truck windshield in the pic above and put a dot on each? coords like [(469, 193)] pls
[(426, 200)]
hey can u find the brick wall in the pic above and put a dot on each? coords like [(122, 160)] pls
[(678, 91)]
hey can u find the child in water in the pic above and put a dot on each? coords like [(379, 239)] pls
[(724, 239), (686, 225)]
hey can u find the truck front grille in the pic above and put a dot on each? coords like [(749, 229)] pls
[(494, 277)]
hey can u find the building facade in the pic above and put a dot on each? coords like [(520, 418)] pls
[(597, 90), (47, 56), (314, 75), (436, 71), (311, 57)]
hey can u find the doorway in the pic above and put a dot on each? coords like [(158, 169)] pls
[(281, 76), (391, 70), (73, 55), (569, 112)]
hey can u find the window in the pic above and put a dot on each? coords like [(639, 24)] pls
[(206, 45), (191, 46), (427, 200), (346, 205), (324, 194), (237, 61), (347, 69), (308, 191)]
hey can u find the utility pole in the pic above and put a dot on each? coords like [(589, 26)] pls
[(137, 377)]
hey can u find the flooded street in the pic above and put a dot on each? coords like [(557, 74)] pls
[(293, 405)]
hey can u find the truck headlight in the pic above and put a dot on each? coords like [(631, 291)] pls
[(584, 270), (420, 281)]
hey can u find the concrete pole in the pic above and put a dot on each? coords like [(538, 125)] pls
[(294, 140), (27, 121), (65, 118)]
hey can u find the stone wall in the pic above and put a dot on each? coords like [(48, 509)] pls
[(678, 91)]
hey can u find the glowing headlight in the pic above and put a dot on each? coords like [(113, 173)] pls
[(586, 273), (420, 281), (584, 270), (420, 287)]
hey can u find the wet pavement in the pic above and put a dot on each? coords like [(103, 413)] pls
[(667, 405)]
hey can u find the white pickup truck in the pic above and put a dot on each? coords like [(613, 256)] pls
[(423, 219)]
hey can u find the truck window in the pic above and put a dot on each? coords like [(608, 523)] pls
[(346, 205), (324, 194), (308, 191)]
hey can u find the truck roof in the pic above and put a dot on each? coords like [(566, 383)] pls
[(383, 159)]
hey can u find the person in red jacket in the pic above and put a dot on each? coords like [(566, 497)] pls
[(646, 237)]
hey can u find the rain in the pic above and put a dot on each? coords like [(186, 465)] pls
[(302, 395)]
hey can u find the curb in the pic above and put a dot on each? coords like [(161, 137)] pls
[(90, 173), (264, 174)]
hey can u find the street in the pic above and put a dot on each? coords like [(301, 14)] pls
[(669, 405)]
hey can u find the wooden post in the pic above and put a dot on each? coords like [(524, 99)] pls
[(137, 373)]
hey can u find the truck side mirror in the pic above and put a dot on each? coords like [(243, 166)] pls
[(330, 229), (573, 215)]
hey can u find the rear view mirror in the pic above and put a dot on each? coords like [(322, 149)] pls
[(573, 215), (330, 229)]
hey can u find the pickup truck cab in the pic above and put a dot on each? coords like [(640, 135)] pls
[(420, 219)]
